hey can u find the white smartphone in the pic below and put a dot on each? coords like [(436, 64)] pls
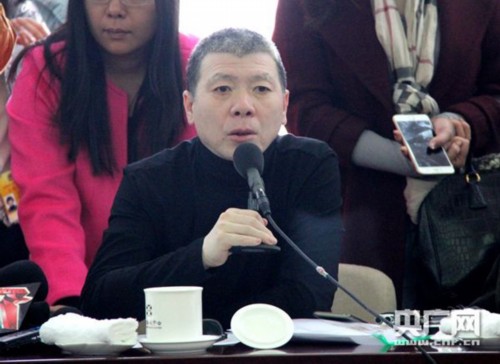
[(417, 131)]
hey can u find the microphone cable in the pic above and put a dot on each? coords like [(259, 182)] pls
[(322, 272), (248, 160)]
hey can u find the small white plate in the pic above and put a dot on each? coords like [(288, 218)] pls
[(262, 326), (187, 347), (96, 349)]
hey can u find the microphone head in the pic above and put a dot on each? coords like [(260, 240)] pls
[(247, 156), (22, 272)]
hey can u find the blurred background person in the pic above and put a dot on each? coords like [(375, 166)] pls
[(348, 75), (28, 26), (102, 91), (7, 38)]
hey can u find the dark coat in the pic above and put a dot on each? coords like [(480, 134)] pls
[(340, 85)]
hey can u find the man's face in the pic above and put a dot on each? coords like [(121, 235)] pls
[(237, 100)]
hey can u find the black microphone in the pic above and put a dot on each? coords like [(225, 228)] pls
[(249, 162), (24, 272)]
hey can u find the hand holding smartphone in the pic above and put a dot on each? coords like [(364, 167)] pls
[(417, 131)]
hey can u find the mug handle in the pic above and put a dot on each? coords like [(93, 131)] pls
[(213, 327)]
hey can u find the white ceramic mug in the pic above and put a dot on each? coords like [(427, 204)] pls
[(173, 314)]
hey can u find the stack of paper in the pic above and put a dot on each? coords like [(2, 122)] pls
[(359, 333)]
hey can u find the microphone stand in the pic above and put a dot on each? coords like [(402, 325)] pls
[(322, 272)]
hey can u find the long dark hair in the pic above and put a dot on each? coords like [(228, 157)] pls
[(83, 116)]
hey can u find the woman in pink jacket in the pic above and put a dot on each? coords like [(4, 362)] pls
[(103, 91)]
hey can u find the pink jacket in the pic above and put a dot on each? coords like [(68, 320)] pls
[(64, 208)]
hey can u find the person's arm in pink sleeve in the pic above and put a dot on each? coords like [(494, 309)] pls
[(49, 209)]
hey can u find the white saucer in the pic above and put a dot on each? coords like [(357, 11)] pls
[(194, 346), (262, 326), (97, 349)]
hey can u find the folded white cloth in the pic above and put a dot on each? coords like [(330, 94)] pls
[(71, 328), (471, 324)]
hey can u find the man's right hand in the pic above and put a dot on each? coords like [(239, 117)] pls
[(235, 227)]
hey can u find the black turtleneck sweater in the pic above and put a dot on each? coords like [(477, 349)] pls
[(165, 206)]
